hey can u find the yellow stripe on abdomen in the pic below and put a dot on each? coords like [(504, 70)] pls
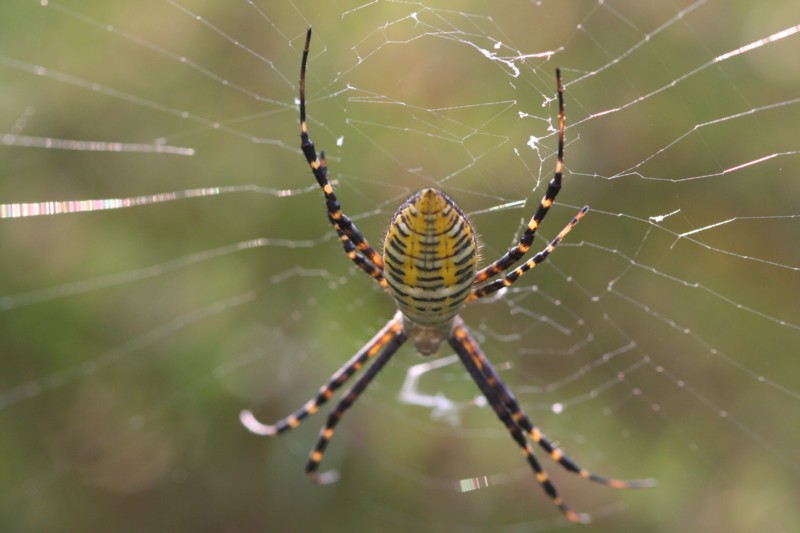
[(430, 256)]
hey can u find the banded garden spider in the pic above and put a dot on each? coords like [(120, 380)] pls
[(429, 266)]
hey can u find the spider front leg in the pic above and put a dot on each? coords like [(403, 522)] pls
[(508, 410), (466, 348), (556, 454), (349, 398), (390, 331)]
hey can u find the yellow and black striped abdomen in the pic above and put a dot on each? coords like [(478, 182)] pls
[(430, 256)]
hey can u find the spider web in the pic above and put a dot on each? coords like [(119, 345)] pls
[(166, 261)]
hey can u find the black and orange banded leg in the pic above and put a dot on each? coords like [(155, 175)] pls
[(361, 262), (465, 347), (344, 226), (315, 458), (522, 420), (514, 275), (526, 240), (350, 249), (385, 336)]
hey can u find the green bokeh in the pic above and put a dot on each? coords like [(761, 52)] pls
[(119, 405)]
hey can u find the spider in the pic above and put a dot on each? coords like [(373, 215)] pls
[(430, 268)]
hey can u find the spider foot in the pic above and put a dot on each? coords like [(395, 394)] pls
[(619, 483), (248, 420), (324, 478), (578, 518)]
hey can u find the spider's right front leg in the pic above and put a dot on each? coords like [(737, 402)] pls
[(389, 332)]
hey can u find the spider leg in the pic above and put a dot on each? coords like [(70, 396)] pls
[(514, 275), (521, 419), (514, 254), (396, 339), (344, 226), (388, 334), (361, 262), (351, 250), (468, 351)]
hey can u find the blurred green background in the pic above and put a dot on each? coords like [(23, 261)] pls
[(132, 338)]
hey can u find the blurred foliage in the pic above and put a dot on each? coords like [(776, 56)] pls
[(119, 406)]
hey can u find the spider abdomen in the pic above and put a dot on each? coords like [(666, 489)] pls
[(430, 256)]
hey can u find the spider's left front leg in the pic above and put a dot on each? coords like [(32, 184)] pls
[(468, 351), (508, 410)]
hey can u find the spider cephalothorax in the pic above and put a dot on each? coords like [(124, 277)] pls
[(429, 266)]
